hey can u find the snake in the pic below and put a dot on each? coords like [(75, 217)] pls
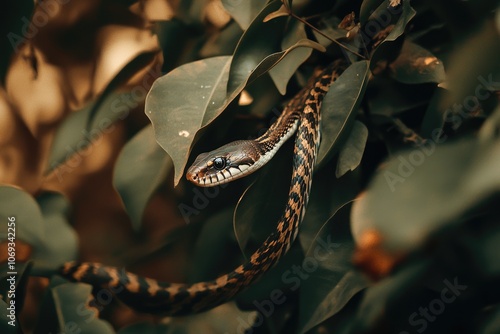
[(300, 117)]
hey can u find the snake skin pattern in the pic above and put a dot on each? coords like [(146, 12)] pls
[(150, 296)]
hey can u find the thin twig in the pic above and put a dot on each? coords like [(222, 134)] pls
[(324, 35)]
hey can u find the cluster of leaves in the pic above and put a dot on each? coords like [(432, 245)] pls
[(425, 220)]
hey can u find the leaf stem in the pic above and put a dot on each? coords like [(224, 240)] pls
[(324, 35)]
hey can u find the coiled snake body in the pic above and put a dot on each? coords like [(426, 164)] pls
[(231, 161)]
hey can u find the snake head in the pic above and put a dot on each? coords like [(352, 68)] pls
[(227, 163)]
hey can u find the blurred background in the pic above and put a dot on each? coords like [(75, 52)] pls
[(76, 145)]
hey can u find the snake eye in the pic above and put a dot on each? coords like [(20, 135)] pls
[(219, 163)]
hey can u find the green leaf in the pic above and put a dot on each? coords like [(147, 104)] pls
[(55, 212), (141, 167), (185, 100), (351, 153), (417, 65), (73, 312), (399, 27), (253, 49), (243, 12), (367, 8), (385, 47), (221, 43), (468, 174), (332, 280), (14, 27), (22, 206), (339, 107), (283, 71)]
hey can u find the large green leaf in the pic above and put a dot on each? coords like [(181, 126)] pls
[(243, 12), (141, 167), (417, 65), (440, 182), (185, 100), (22, 209), (331, 278), (339, 107), (191, 97), (221, 43)]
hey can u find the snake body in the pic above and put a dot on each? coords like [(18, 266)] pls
[(301, 116)]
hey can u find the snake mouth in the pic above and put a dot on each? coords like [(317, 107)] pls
[(204, 178), (206, 181)]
